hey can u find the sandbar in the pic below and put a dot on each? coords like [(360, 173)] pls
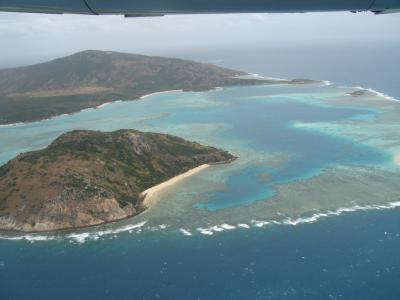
[(149, 199)]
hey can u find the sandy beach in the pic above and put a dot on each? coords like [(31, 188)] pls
[(158, 93), (149, 194), (397, 159)]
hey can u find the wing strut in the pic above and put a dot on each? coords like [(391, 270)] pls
[(89, 8)]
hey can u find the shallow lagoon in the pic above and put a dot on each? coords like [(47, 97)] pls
[(305, 151)]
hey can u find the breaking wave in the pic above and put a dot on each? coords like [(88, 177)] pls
[(82, 237), (296, 221), (379, 94), (258, 76), (327, 83), (79, 237)]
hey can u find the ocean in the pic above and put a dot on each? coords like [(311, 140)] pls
[(354, 256), (308, 211), (369, 64)]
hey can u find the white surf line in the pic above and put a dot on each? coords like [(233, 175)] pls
[(327, 83), (382, 95), (159, 93), (158, 227), (260, 224), (323, 82), (216, 228), (12, 124), (227, 226), (30, 238), (219, 228), (375, 92), (105, 104), (243, 225), (266, 77), (185, 232), (315, 217), (84, 236), (79, 237), (297, 221), (205, 231)]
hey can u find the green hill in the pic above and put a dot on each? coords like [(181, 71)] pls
[(90, 78), (89, 177)]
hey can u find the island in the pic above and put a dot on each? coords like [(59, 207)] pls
[(91, 78), (86, 178), (357, 93)]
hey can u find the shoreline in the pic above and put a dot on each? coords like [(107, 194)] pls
[(277, 81), (375, 92), (254, 75), (80, 237), (85, 109), (147, 198), (148, 195), (158, 93)]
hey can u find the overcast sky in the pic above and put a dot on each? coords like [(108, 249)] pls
[(30, 38)]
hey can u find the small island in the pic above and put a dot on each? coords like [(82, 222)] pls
[(87, 178), (357, 93)]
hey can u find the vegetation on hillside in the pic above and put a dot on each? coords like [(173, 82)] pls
[(82, 171), (90, 78)]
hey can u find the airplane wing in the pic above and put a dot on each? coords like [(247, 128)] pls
[(140, 8)]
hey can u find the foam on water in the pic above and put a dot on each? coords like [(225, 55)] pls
[(102, 105), (259, 223), (205, 231), (185, 232), (258, 76), (243, 225), (29, 237), (377, 93), (317, 216), (79, 237), (327, 83), (11, 125), (82, 237), (301, 220), (228, 227)]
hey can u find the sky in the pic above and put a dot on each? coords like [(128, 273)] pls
[(31, 38)]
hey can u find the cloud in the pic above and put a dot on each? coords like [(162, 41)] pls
[(35, 37)]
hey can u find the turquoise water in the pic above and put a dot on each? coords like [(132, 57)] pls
[(305, 152), (256, 119)]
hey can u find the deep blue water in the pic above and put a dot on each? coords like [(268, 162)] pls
[(355, 256), (357, 63)]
